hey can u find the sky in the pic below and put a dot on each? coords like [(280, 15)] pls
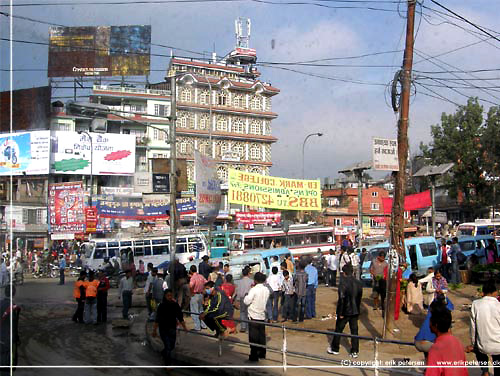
[(348, 113)]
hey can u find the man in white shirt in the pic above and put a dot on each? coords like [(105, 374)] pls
[(485, 327), (428, 293), (354, 263), (331, 263), (275, 281), (256, 301)]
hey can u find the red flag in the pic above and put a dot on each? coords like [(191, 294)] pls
[(412, 202)]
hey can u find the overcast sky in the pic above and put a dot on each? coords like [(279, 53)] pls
[(349, 114)]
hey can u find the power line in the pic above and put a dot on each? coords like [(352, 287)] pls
[(466, 20), (459, 71), (457, 79), (436, 95)]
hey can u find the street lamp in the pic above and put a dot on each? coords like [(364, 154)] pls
[(304, 146)]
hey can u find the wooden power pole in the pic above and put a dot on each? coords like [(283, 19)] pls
[(397, 225)]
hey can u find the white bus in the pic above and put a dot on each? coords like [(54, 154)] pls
[(479, 227), (153, 249), (300, 240)]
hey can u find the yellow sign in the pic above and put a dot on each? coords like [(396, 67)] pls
[(272, 192)]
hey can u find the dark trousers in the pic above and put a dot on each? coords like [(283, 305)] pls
[(310, 302), (331, 278), (275, 303), (300, 308), (149, 297), (61, 276), (102, 307), (214, 323), (257, 335), (381, 289), (168, 336), (482, 359), (339, 328), (127, 303), (78, 316), (289, 307)]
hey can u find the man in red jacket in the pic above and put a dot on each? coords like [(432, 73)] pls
[(102, 298)]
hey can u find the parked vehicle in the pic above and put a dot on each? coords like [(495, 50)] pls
[(476, 245), (478, 227), (421, 253)]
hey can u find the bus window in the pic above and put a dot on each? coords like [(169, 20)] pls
[(248, 244), (267, 243), (465, 230), (468, 245), (160, 246), (218, 242), (147, 247), (181, 240), (99, 253), (125, 244), (297, 239), (139, 248), (325, 237), (113, 248), (313, 238), (279, 241), (428, 249), (257, 243), (195, 247), (413, 257), (181, 248)]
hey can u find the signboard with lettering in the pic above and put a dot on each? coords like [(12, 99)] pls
[(273, 192), (91, 219), (66, 213), (25, 153), (385, 154), (161, 183), (208, 192)]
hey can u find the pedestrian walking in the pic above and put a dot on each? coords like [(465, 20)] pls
[(218, 308), (289, 264), (300, 286), (90, 309), (312, 285), (274, 282), (148, 290), (348, 310), (288, 312), (438, 286), (454, 255), (197, 288), (256, 301), (204, 267), (485, 328), (62, 268), (102, 297), (125, 292), (414, 296), (354, 259), (331, 265), (79, 295), (243, 286), (447, 349), (168, 316), (229, 289)]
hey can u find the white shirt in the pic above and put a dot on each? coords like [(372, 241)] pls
[(275, 281), (485, 323), (344, 259), (354, 260), (331, 261), (256, 301)]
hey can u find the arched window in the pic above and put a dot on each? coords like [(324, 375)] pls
[(203, 147), (186, 95), (255, 152), (204, 97), (238, 125), (222, 173), (182, 120), (256, 127), (221, 147), (190, 120), (256, 103), (204, 121), (222, 124), (239, 101), (239, 149), (255, 170), (222, 98)]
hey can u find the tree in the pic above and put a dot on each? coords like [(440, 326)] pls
[(490, 147), (458, 139)]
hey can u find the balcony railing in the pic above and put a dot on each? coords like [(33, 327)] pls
[(131, 90)]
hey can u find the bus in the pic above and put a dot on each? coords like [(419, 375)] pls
[(479, 227), (154, 249), (300, 240)]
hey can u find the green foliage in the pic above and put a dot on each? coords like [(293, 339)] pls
[(473, 144), (486, 268), (455, 286)]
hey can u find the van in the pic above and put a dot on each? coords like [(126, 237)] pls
[(422, 252), (476, 245)]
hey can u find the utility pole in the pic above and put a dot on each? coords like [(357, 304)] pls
[(173, 179), (397, 233)]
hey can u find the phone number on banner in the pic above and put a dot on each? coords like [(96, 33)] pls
[(267, 200)]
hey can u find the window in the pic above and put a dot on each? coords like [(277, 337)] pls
[(374, 194), (375, 206), (239, 101), (182, 120), (256, 127), (239, 149), (159, 135), (204, 121), (186, 95), (205, 97), (222, 124), (255, 153), (138, 108), (161, 110), (337, 222), (428, 249), (62, 127), (222, 173), (256, 103), (222, 98), (238, 125), (185, 147)]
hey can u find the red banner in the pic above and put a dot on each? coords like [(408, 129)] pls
[(250, 218), (412, 202), (91, 219), (66, 207)]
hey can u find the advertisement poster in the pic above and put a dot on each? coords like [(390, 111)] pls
[(272, 192), (385, 154), (91, 219), (66, 207), (112, 154), (25, 153), (208, 192), (251, 218)]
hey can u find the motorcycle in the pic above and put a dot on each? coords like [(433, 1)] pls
[(54, 271), (74, 271)]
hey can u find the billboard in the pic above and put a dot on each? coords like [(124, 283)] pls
[(250, 218), (66, 208), (385, 154), (208, 193), (99, 51), (112, 154), (25, 153), (30, 109), (272, 192)]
